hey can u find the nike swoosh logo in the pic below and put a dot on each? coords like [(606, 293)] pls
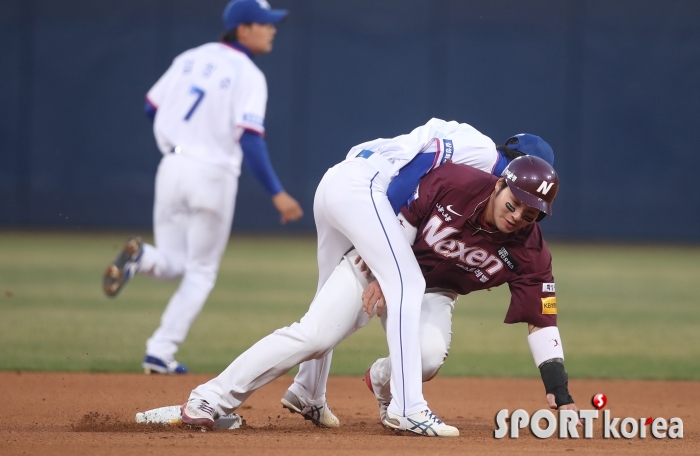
[(449, 208)]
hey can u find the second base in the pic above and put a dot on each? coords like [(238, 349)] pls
[(171, 415)]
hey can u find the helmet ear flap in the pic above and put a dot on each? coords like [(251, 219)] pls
[(540, 217)]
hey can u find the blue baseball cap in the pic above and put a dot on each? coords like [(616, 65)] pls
[(239, 12), (531, 145)]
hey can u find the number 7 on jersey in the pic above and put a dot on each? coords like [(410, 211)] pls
[(200, 94)]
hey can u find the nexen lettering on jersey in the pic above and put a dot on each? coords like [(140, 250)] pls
[(472, 257)]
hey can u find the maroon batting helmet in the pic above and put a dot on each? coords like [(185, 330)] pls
[(533, 181)]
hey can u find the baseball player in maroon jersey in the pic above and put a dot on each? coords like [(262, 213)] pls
[(469, 230), (472, 231)]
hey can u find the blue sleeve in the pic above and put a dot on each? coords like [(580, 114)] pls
[(150, 111), (500, 165), (404, 184), (258, 162)]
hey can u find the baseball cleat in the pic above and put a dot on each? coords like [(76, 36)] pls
[(198, 413), (421, 423), (383, 405), (320, 415), (154, 365), (123, 267)]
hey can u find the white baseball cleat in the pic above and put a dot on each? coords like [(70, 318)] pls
[(172, 415), (421, 423), (155, 365), (320, 415), (198, 413)]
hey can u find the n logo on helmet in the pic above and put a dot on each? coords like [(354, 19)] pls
[(545, 187)]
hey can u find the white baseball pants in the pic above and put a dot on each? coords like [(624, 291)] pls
[(351, 209), (335, 314), (435, 337), (193, 211)]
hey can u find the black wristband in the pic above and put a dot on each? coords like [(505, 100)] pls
[(556, 382)]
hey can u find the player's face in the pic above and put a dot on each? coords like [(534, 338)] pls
[(257, 38), (509, 214)]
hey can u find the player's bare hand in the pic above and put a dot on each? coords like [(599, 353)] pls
[(288, 207), (371, 296), (553, 405), (363, 267)]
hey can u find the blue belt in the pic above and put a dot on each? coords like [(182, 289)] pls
[(364, 153)]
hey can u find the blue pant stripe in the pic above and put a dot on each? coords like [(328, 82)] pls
[(403, 386)]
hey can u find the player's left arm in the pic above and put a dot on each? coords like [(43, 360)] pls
[(257, 159), (548, 353), (249, 118), (533, 301)]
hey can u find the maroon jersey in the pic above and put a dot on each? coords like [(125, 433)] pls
[(456, 251)]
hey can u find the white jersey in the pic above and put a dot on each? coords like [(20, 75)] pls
[(452, 140), (205, 100)]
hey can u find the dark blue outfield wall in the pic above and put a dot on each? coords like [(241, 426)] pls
[(613, 85)]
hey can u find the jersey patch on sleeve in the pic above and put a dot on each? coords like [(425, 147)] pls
[(549, 306), (548, 288), (253, 119), (449, 150)]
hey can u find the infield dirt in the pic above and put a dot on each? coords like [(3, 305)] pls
[(92, 414)]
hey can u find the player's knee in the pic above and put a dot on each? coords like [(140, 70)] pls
[(432, 359), (315, 343), (177, 268), (431, 367), (320, 344), (170, 267), (205, 277), (321, 340)]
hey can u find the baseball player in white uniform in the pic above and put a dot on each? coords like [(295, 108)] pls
[(208, 112), (356, 205)]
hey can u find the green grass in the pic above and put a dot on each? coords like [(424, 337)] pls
[(624, 311)]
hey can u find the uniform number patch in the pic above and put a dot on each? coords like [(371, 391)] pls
[(548, 288), (549, 306)]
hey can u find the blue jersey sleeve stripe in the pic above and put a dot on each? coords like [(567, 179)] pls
[(500, 165), (404, 184), (253, 130), (150, 110)]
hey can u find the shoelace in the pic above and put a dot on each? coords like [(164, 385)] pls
[(432, 416)]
